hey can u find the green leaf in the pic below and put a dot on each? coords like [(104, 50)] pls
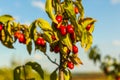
[(29, 46), (33, 30), (35, 66), (6, 18), (49, 10), (6, 40), (53, 75), (44, 25), (17, 73)]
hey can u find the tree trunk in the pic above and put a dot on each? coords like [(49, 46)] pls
[(61, 77)]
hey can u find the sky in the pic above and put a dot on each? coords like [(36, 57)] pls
[(106, 33)]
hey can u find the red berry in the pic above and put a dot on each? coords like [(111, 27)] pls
[(16, 34), (70, 65), (76, 10), (40, 41), (56, 49), (75, 49), (53, 37), (70, 29), (21, 38), (59, 18), (63, 30), (88, 27), (1, 27)]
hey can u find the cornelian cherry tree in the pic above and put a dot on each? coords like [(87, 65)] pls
[(68, 26)]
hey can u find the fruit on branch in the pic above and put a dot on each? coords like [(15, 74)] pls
[(70, 65), (1, 26), (70, 29), (40, 41), (59, 18), (56, 49), (76, 10), (88, 27), (21, 38), (63, 30), (75, 49)]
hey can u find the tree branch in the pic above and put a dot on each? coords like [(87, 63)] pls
[(51, 60)]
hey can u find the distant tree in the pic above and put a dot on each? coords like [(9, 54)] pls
[(109, 65)]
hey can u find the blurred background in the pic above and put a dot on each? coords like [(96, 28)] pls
[(106, 38)]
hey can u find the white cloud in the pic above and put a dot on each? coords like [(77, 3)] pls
[(116, 42), (115, 1), (39, 4)]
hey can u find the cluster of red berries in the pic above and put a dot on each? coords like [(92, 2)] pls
[(20, 36), (64, 30)]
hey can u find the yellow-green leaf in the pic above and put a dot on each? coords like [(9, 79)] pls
[(87, 21), (67, 75), (6, 18), (89, 42), (66, 41), (44, 25), (47, 36), (37, 67), (49, 10), (76, 60)]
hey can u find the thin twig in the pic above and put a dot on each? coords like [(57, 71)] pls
[(51, 60)]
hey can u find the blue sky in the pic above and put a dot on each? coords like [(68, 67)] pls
[(106, 34)]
